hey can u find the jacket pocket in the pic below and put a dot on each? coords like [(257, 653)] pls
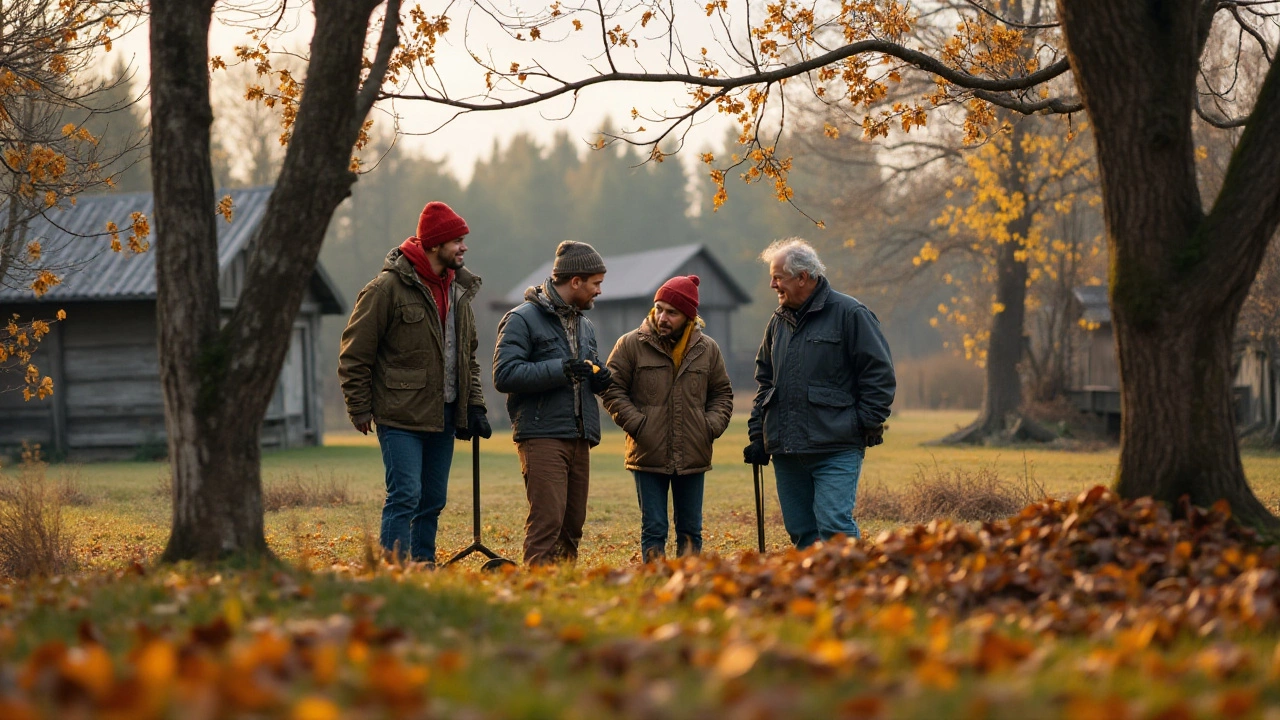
[(404, 378), (831, 420), (413, 313), (829, 397), (651, 384)]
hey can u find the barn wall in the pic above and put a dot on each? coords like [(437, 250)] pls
[(107, 397), (31, 421), (112, 385)]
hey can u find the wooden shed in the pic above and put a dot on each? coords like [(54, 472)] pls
[(103, 358), (631, 282), (1096, 375)]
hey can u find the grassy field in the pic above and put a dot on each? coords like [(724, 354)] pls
[(1038, 620), (127, 514)]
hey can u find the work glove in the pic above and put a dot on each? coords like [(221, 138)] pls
[(754, 454), (477, 426), (577, 370), (601, 379), (874, 434)]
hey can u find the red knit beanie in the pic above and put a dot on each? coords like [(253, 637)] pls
[(680, 292), (439, 224)]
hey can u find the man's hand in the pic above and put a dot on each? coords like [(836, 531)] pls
[(478, 423), (577, 370), (363, 423), (601, 379), (754, 454), (874, 435)]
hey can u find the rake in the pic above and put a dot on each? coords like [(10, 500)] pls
[(495, 560)]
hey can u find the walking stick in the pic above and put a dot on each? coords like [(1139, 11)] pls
[(495, 561), (758, 477)]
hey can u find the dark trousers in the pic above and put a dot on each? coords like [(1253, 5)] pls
[(417, 468), (686, 496), (556, 477)]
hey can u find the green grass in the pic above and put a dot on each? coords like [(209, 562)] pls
[(608, 641), (128, 518)]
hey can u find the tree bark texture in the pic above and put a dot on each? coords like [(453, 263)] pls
[(1178, 275), (218, 378)]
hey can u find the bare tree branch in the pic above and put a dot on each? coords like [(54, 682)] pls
[(916, 58)]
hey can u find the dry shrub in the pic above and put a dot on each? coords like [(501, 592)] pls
[(877, 502), (955, 493), (164, 484), (33, 539), (295, 490), (69, 490)]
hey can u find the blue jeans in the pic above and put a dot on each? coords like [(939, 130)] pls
[(417, 466), (817, 493), (686, 494)]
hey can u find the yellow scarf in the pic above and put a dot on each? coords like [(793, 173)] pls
[(682, 346)]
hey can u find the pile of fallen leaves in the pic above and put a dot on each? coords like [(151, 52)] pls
[(1087, 566), (957, 609), (303, 667)]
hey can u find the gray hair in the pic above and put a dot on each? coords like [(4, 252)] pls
[(797, 256)]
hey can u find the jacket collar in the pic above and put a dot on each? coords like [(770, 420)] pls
[(648, 333), (397, 263), (814, 304)]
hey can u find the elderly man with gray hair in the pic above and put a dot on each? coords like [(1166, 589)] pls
[(826, 382)]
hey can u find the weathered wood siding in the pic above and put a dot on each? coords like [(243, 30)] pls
[(107, 397)]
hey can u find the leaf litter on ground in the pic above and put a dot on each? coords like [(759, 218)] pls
[(1074, 589)]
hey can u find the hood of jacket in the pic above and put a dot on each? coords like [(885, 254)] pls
[(397, 263)]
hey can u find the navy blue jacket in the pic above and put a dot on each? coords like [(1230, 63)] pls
[(824, 374), (528, 365)]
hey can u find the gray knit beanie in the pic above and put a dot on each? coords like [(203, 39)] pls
[(577, 258)]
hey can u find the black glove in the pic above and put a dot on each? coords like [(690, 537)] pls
[(579, 370), (477, 425), (754, 453), (601, 379), (874, 434)]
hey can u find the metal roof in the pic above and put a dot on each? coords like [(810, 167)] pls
[(75, 239), (637, 275), (1095, 305)]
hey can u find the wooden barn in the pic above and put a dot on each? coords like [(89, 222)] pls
[(1096, 376), (631, 282), (103, 359)]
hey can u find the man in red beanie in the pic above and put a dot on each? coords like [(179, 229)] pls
[(671, 394), (408, 366)]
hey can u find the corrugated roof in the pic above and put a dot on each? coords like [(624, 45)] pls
[(75, 239), (636, 275), (1095, 304)]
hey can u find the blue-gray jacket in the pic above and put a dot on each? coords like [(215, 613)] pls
[(824, 373), (528, 365)]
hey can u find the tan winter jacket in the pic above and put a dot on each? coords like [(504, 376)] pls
[(671, 415), (391, 357)]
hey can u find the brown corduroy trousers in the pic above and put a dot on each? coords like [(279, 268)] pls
[(556, 476)]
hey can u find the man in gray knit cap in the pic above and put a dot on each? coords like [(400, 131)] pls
[(547, 364)]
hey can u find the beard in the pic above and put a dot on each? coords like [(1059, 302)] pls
[(453, 263)]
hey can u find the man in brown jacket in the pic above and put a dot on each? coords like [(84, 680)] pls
[(407, 364), (671, 394)]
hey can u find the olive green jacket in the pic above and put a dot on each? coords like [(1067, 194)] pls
[(391, 358)]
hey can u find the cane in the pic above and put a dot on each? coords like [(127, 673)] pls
[(759, 483)]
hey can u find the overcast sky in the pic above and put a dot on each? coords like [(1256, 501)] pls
[(471, 137)]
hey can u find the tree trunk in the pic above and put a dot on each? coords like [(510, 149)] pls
[(1178, 276), (218, 378), (1002, 397)]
